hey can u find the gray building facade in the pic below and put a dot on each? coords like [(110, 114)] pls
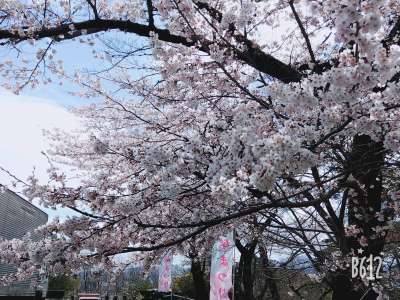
[(17, 217)]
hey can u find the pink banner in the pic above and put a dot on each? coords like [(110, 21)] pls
[(221, 268), (164, 276)]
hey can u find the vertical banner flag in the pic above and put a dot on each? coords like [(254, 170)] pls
[(221, 268), (164, 273)]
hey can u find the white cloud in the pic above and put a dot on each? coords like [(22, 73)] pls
[(22, 119)]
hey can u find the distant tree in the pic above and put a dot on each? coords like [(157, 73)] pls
[(66, 282), (183, 285), (133, 289)]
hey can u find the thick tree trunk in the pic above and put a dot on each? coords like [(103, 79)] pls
[(200, 284), (245, 274), (248, 276), (365, 164)]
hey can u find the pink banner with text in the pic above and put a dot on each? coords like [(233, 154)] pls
[(221, 268), (164, 277)]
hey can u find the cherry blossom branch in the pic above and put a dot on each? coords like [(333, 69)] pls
[(278, 203), (303, 31), (253, 56)]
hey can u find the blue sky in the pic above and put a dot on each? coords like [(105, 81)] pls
[(22, 118), (74, 55)]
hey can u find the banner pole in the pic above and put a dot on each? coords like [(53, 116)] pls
[(233, 266)]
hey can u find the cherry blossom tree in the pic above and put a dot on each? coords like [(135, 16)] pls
[(279, 118)]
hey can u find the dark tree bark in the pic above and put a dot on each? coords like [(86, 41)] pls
[(200, 284), (365, 163), (245, 271)]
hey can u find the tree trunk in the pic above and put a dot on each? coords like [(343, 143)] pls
[(200, 284), (245, 274), (365, 163), (248, 275)]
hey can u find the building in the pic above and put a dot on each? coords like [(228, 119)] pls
[(17, 217)]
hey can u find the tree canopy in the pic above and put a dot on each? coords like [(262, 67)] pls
[(276, 118)]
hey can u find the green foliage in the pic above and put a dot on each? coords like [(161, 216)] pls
[(183, 285), (63, 282), (133, 288)]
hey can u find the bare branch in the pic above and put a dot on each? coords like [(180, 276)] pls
[(303, 31)]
